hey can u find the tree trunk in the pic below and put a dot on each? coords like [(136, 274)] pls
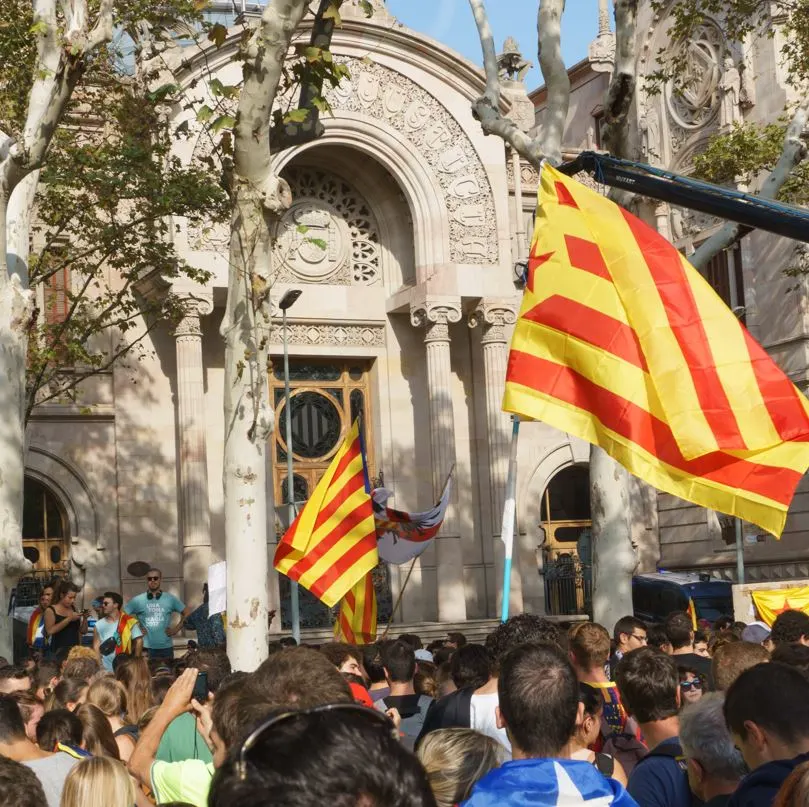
[(613, 555), (248, 427), (15, 312)]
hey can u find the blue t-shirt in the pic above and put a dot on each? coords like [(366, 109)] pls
[(660, 781), (155, 615), (106, 630)]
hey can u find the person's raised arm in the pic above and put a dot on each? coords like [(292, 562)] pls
[(177, 701)]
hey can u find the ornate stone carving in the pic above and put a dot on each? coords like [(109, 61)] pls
[(602, 49), (333, 334), (693, 100), (510, 63), (528, 176), (386, 95), (190, 327), (436, 316), (493, 316)]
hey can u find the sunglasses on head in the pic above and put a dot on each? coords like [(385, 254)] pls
[(377, 718), (688, 685)]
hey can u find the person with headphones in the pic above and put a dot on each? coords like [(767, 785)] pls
[(153, 610)]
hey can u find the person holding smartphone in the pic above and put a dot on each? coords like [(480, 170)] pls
[(64, 625)]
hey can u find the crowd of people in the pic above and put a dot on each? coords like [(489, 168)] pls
[(542, 713)]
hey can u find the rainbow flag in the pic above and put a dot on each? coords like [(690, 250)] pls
[(356, 622), (331, 545), (36, 628), (621, 342)]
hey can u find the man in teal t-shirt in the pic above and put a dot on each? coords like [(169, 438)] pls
[(154, 609)]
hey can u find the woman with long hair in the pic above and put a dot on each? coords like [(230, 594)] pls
[(109, 696), (64, 625), (134, 675), (98, 782), (455, 759), (96, 734), (67, 694)]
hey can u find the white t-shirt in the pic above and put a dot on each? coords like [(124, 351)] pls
[(482, 718)]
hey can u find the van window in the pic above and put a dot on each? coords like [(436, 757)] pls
[(645, 597), (672, 598), (711, 608)]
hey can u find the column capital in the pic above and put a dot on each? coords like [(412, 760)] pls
[(436, 315), (194, 307), (493, 316)]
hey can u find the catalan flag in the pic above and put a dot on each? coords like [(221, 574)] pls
[(331, 545), (621, 342), (356, 622)]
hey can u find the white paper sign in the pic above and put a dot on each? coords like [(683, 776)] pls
[(217, 588)]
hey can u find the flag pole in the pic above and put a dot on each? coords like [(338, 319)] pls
[(739, 552), (509, 517), (398, 600)]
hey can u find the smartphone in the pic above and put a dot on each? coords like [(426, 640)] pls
[(200, 692)]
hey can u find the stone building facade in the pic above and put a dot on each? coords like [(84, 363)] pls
[(405, 318)]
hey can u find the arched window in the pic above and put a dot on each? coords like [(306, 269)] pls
[(44, 534)]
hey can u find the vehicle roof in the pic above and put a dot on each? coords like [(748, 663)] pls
[(688, 579)]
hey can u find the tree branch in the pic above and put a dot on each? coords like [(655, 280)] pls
[(621, 89), (102, 31), (793, 152), (487, 108), (557, 81)]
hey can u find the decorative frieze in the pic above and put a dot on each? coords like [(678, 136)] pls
[(333, 334)]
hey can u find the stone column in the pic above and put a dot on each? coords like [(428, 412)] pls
[(494, 316), (195, 516), (436, 316)]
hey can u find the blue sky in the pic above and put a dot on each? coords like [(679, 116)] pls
[(451, 22)]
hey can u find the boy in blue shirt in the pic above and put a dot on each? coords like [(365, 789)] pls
[(154, 609)]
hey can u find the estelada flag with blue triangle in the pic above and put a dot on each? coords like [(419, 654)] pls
[(621, 342)]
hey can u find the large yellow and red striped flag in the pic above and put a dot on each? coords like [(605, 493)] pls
[(356, 621), (621, 342), (332, 543)]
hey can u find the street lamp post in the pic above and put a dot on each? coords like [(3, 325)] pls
[(286, 302)]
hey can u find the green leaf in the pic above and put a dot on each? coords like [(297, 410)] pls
[(218, 34), (333, 13), (162, 92), (204, 113), (40, 27), (296, 116), (366, 6), (318, 242), (302, 229), (223, 122), (216, 87)]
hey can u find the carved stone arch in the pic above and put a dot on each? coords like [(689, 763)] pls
[(69, 485), (398, 156)]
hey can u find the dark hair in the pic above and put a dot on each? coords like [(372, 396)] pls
[(15, 673), (793, 655), (683, 672), (12, 726), (656, 636), (27, 702), (153, 569), (115, 597), (287, 641), (214, 662), (723, 623), (68, 690), (591, 698), (61, 588), (700, 636), (160, 686), (627, 625), (119, 661), (339, 652), (96, 734), (44, 673), (399, 659), (58, 726), (80, 668), (412, 639), (539, 698), (457, 638), (648, 682), (679, 629), (441, 655), (518, 630), (470, 666), (773, 696), (372, 661), (336, 758), (19, 785), (790, 626), (225, 713)]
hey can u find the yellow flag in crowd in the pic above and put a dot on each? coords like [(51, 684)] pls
[(621, 342), (770, 603), (356, 622)]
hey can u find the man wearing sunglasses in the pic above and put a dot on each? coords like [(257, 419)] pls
[(115, 632), (154, 610)]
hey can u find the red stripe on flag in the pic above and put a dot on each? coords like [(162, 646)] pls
[(665, 266), (368, 611), (586, 255), (589, 325), (334, 573), (351, 486), (779, 393), (337, 534), (637, 425), (564, 196)]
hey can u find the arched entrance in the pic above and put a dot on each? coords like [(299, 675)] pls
[(44, 530), (567, 549)]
